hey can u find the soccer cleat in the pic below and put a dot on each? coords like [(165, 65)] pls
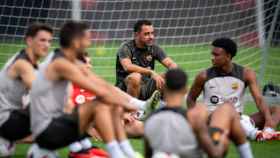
[(152, 103), (81, 154), (97, 152), (90, 153), (267, 136), (7, 148)]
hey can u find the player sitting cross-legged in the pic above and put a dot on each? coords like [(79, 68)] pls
[(79, 96)]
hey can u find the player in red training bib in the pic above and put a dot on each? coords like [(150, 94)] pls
[(78, 96)]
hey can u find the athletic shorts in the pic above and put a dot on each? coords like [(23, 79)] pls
[(61, 132), (17, 126), (148, 86)]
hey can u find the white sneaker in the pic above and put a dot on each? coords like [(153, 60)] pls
[(36, 152), (7, 148)]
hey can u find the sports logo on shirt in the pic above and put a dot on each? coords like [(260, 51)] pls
[(235, 86), (149, 57), (214, 99), (80, 99)]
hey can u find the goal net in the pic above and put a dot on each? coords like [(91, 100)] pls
[(184, 29)]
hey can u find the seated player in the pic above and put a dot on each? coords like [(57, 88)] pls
[(136, 62), (16, 79), (225, 82), (49, 95), (189, 134), (79, 96), (131, 120)]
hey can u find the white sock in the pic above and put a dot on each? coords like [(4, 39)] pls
[(75, 147), (245, 150), (138, 103), (127, 148), (42, 152), (114, 150), (86, 143)]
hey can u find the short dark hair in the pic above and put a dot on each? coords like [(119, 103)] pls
[(227, 44), (176, 79), (138, 25), (34, 28), (71, 30)]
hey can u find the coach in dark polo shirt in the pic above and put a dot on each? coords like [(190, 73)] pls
[(136, 61)]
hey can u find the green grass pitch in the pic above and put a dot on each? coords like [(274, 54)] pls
[(260, 149)]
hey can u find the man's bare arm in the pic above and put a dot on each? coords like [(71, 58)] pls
[(25, 71), (130, 67), (196, 89), (92, 82), (169, 63), (251, 79)]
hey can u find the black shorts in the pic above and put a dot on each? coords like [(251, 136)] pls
[(17, 126), (148, 86), (61, 132)]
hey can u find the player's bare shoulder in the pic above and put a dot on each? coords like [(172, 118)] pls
[(18, 67), (201, 77), (249, 74)]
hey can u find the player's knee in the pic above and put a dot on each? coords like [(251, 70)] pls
[(198, 112), (202, 108), (133, 79)]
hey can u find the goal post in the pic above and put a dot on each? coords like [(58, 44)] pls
[(76, 9)]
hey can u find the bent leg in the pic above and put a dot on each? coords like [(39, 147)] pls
[(133, 84), (17, 126), (101, 115), (259, 119), (117, 113), (225, 117), (275, 113), (230, 122)]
